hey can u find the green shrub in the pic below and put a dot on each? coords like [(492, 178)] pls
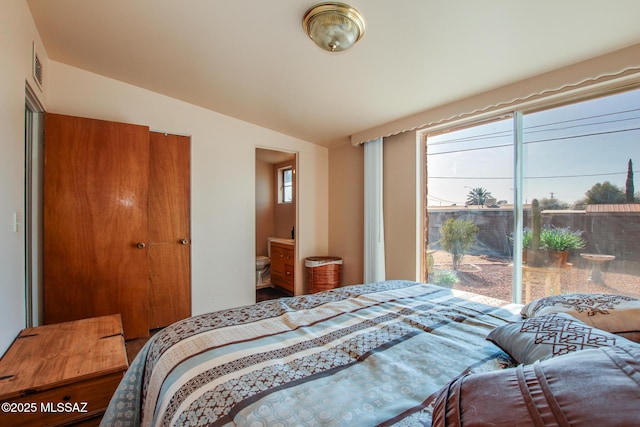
[(456, 237), (526, 238), (561, 239), (445, 278)]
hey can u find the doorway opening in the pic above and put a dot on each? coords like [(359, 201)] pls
[(276, 219)]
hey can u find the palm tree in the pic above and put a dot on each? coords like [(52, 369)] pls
[(478, 196)]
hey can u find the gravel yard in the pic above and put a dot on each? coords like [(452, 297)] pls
[(493, 277)]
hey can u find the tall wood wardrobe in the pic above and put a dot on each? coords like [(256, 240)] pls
[(116, 223)]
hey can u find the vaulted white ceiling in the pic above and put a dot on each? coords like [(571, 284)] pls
[(251, 60)]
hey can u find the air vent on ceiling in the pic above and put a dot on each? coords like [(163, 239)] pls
[(38, 71)]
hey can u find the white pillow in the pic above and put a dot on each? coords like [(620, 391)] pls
[(618, 314)]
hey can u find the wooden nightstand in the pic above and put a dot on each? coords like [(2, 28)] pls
[(62, 373)]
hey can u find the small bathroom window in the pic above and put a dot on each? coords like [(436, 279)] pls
[(285, 184)]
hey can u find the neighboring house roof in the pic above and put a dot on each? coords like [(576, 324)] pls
[(617, 208)]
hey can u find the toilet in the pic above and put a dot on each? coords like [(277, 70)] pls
[(263, 276)]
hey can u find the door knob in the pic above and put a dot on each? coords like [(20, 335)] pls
[(184, 241), (141, 245)]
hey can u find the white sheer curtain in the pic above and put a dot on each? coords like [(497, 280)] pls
[(374, 269)]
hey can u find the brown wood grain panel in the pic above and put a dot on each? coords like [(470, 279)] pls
[(88, 399), (78, 363), (170, 290), (282, 266), (169, 229), (169, 187), (54, 355), (95, 211)]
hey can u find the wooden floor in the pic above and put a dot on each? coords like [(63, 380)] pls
[(135, 345), (269, 293)]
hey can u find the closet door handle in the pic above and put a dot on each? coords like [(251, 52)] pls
[(141, 245), (184, 241)]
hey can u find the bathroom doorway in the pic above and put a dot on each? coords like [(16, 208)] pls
[(276, 214)]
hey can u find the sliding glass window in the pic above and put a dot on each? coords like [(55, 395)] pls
[(577, 226)]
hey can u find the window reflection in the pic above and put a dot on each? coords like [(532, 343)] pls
[(578, 198)]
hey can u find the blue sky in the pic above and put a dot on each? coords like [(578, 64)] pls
[(567, 150)]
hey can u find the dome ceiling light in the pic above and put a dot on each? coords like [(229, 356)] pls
[(333, 26)]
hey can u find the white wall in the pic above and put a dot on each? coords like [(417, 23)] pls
[(346, 234), (400, 189), (223, 211), (17, 33)]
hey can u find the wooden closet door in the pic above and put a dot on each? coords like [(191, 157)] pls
[(95, 213), (169, 229)]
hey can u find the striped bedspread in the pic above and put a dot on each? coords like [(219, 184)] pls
[(360, 355)]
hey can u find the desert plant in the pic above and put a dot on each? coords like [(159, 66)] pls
[(561, 239), (445, 278), (536, 227), (526, 238), (430, 263), (456, 237)]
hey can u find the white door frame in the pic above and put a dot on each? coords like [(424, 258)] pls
[(34, 168)]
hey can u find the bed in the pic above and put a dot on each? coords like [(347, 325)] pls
[(364, 355)]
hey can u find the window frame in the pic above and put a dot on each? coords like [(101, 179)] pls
[(282, 185), (516, 111)]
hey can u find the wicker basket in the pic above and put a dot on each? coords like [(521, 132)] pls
[(323, 273)]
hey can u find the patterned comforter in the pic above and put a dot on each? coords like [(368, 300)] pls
[(364, 355)]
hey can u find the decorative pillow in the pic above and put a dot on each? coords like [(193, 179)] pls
[(597, 387), (613, 313), (544, 337)]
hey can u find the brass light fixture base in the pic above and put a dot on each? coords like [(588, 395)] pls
[(333, 26)]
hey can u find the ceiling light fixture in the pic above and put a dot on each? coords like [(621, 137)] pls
[(333, 26)]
